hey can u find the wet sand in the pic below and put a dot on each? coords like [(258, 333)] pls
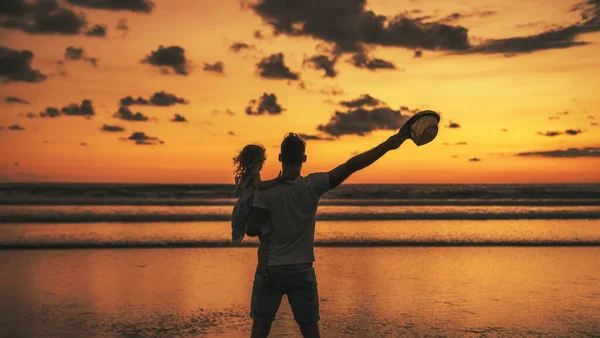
[(364, 292)]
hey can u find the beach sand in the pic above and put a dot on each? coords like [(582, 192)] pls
[(364, 292)]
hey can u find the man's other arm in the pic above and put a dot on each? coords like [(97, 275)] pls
[(361, 161)]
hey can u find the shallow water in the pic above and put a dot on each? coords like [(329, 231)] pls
[(364, 292)]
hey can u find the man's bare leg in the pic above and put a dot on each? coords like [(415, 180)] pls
[(310, 330), (260, 329)]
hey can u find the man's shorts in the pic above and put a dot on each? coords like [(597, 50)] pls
[(298, 281)]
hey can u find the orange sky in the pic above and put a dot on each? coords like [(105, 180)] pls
[(483, 92)]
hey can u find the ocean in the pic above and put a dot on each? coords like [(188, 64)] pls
[(122, 215), (116, 260)]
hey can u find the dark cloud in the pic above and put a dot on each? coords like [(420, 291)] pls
[(161, 99), (123, 26), (455, 144), (418, 54), (14, 7), (142, 139), (217, 67), (178, 118), (258, 35), (16, 127), (42, 17), (72, 53), (50, 112), (239, 46), (230, 133), (172, 56), (16, 164), (14, 99), (125, 114), (474, 159), (273, 67), (314, 137), (350, 26), (570, 152), (112, 129), (83, 144), (363, 100), (362, 60), (322, 62), (561, 38), (594, 124), (143, 6), (553, 133), (267, 103), (96, 30), (591, 117), (332, 91), (453, 125), (29, 115), (363, 121), (454, 17), (84, 109), (15, 65)]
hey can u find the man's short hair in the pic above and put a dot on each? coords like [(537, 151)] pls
[(293, 149)]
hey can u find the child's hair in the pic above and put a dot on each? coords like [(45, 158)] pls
[(248, 159)]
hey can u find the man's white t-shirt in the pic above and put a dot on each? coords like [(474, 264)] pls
[(292, 211)]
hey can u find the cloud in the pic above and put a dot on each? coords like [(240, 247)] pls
[(595, 124), (160, 99), (141, 6), (226, 111), (314, 137), (50, 112), (230, 133), (363, 100), (322, 62), (453, 125), (362, 121), (112, 129), (14, 99), (96, 30), (258, 35), (178, 118), (15, 65), (125, 114), (172, 56), (16, 127), (591, 117), (29, 115), (141, 138), (553, 133), (273, 67), (236, 47), (332, 91), (123, 26), (74, 53), (362, 60), (83, 144), (267, 103), (84, 109), (455, 144), (474, 159), (418, 54), (217, 67), (570, 152), (551, 118), (454, 17), (350, 26)]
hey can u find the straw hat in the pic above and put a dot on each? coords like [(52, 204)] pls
[(423, 126)]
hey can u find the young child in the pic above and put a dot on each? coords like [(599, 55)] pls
[(248, 165)]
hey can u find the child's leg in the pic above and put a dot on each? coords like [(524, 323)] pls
[(263, 250)]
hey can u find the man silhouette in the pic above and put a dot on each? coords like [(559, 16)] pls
[(292, 209)]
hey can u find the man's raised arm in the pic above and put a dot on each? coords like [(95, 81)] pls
[(361, 161)]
